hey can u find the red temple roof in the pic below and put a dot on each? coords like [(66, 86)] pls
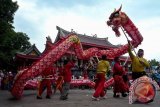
[(86, 40)]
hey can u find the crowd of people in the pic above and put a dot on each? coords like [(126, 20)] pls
[(6, 80), (101, 70)]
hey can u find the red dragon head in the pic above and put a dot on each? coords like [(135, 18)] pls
[(116, 19)]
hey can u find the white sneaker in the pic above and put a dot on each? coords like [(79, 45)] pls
[(95, 99)]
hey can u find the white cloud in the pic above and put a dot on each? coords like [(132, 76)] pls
[(150, 29)]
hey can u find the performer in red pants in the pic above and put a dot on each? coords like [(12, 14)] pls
[(47, 75), (102, 69), (119, 84)]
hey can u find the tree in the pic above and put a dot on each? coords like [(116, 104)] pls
[(153, 62), (7, 10), (10, 41), (21, 42)]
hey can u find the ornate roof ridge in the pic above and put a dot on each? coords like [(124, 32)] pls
[(62, 33), (28, 51), (93, 37)]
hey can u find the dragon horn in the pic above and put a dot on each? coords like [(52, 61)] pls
[(114, 10), (120, 8)]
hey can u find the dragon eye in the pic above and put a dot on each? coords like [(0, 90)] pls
[(116, 14)]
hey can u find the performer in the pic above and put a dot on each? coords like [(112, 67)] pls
[(59, 81), (45, 83), (125, 77), (138, 63), (102, 69), (67, 75), (138, 70), (119, 85)]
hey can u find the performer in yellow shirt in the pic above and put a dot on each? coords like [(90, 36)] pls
[(102, 69), (138, 63)]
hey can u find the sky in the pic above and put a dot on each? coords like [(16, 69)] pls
[(39, 18)]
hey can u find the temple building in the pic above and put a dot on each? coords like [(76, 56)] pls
[(25, 59)]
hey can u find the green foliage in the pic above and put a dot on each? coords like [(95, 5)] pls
[(7, 10), (10, 41), (153, 62), (21, 42)]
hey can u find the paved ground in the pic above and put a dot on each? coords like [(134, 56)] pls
[(77, 98)]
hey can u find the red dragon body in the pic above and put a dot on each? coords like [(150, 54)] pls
[(116, 20)]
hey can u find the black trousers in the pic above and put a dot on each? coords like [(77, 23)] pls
[(136, 75)]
